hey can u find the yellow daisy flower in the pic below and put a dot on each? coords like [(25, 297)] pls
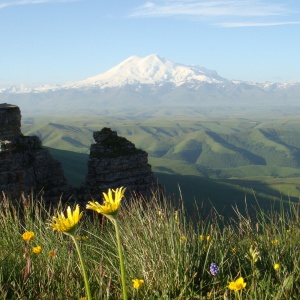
[(37, 249), (237, 285), (276, 266), (67, 224), (111, 202), (137, 283), (28, 236)]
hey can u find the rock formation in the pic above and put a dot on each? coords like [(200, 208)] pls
[(25, 165), (10, 121), (114, 162)]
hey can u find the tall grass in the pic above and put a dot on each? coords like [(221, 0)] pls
[(162, 245)]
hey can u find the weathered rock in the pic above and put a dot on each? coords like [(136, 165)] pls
[(114, 162), (25, 165), (10, 121)]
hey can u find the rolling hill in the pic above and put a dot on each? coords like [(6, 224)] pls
[(262, 154)]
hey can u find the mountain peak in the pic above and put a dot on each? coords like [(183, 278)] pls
[(152, 69), (152, 58)]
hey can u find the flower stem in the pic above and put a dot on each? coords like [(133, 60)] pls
[(123, 276), (85, 278)]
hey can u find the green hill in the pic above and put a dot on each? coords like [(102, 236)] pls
[(232, 149), (208, 194)]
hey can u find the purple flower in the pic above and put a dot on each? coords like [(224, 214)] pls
[(214, 270)]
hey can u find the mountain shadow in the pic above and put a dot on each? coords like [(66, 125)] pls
[(222, 196), (73, 163), (207, 194)]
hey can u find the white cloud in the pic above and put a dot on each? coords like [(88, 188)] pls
[(234, 10), (210, 8), (257, 24), (6, 3), (149, 4)]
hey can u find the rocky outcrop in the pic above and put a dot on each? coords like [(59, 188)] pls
[(25, 165), (114, 162), (10, 121)]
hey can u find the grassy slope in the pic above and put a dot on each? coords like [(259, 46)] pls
[(159, 241)]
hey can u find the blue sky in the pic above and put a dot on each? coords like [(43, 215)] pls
[(60, 41)]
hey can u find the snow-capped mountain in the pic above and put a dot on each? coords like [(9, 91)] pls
[(151, 69), (151, 82)]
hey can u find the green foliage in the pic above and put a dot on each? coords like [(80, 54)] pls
[(163, 245)]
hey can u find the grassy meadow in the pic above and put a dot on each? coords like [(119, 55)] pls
[(171, 252)]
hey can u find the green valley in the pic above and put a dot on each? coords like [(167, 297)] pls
[(220, 160)]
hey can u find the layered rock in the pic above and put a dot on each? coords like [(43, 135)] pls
[(10, 121), (114, 162), (25, 165)]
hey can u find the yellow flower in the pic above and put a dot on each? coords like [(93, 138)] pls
[(275, 242), (28, 236), (276, 266), (51, 253), (111, 203), (237, 285), (137, 283), (233, 250), (201, 237), (67, 225), (288, 231), (183, 239), (37, 249)]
